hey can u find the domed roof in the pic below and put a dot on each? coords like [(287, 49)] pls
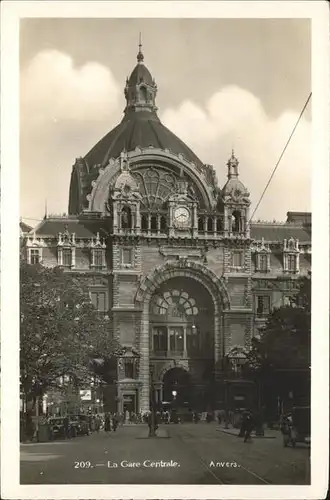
[(140, 74), (140, 126), (138, 129)]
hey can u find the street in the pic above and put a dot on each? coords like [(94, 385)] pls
[(182, 454)]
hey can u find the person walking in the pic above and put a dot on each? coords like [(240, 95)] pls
[(248, 427), (97, 423), (107, 427), (114, 422), (66, 427)]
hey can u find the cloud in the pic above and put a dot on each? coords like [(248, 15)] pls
[(235, 118), (65, 110), (54, 88)]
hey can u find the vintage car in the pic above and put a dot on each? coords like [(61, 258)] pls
[(296, 426), (81, 424), (57, 430)]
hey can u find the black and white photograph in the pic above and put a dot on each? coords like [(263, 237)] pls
[(164, 254)]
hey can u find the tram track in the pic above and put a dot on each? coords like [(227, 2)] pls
[(185, 433)]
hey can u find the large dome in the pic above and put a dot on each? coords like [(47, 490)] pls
[(140, 126), (137, 129)]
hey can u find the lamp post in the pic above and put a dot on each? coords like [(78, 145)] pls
[(152, 425)]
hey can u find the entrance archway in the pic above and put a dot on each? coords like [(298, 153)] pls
[(177, 387), (150, 284)]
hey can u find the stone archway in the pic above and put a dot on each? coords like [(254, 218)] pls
[(148, 286)]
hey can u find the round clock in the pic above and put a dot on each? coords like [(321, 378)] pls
[(181, 216)]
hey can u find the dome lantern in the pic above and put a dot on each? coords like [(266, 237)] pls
[(141, 89)]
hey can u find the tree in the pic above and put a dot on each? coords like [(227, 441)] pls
[(61, 332), (281, 354)]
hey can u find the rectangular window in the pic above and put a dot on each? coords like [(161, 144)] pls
[(127, 256), (98, 258), (99, 301), (192, 341), (291, 262), (66, 257), (129, 369), (263, 305), (263, 262), (160, 339), (34, 256), (176, 340), (237, 259)]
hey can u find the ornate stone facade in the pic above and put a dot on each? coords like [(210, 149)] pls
[(147, 220)]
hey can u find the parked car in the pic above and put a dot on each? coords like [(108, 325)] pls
[(81, 424), (56, 425)]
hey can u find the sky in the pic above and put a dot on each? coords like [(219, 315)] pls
[(222, 84)]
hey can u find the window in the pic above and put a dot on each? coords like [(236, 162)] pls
[(291, 263), (263, 305), (99, 301), (263, 262), (129, 369), (192, 341), (237, 259), (98, 258), (236, 221), (176, 340), (66, 257), (127, 256), (144, 223), (160, 339), (126, 218), (34, 256)]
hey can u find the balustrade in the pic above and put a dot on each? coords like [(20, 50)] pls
[(209, 225)]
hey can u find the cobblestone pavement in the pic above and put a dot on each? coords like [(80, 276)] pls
[(182, 454)]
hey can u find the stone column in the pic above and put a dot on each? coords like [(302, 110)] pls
[(168, 340), (144, 360), (185, 341)]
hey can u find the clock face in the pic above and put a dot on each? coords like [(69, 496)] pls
[(181, 216)]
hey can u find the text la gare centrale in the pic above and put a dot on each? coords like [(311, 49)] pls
[(125, 464)]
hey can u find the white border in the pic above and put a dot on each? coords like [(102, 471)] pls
[(11, 12)]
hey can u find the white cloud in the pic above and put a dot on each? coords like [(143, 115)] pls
[(233, 117), (54, 89)]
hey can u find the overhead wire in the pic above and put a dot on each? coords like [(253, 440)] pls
[(281, 156)]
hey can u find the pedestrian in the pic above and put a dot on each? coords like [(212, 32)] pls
[(66, 427), (114, 422), (97, 423), (107, 427), (248, 426)]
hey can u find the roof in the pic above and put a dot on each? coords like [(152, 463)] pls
[(142, 129), (140, 73), (82, 228), (25, 228), (279, 232)]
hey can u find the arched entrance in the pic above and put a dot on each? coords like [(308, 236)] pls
[(180, 299), (177, 387)]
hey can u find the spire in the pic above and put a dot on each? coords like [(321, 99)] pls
[(232, 165), (140, 56)]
